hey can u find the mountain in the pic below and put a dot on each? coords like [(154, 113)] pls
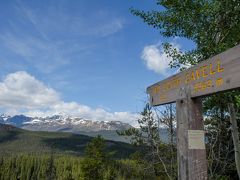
[(62, 123), (17, 120), (76, 125), (14, 140)]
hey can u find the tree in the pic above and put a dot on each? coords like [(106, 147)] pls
[(51, 170), (212, 25), (235, 135), (219, 148), (147, 136), (167, 118), (96, 160)]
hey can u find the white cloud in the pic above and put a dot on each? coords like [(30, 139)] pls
[(156, 59), (21, 92)]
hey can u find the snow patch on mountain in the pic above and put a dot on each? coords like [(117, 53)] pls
[(61, 123)]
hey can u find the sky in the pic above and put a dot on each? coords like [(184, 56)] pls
[(85, 58)]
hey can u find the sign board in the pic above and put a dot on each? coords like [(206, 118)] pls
[(219, 73), (196, 139)]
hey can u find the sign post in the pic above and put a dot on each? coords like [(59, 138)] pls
[(217, 74), (192, 162)]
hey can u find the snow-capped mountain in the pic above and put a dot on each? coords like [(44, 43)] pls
[(4, 117), (61, 123)]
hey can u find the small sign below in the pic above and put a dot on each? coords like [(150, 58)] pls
[(196, 139)]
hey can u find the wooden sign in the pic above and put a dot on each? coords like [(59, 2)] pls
[(219, 73)]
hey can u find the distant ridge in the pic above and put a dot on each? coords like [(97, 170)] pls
[(18, 141)]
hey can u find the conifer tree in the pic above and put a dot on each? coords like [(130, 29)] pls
[(95, 159)]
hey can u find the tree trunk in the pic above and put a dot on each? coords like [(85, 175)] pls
[(235, 136)]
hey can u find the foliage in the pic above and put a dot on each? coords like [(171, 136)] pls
[(65, 167), (40, 167), (98, 161), (147, 134), (212, 25), (220, 147), (156, 156), (95, 160)]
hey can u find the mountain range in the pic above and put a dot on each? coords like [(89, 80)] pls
[(76, 125), (60, 123)]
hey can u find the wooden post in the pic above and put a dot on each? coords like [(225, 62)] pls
[(192, 164)]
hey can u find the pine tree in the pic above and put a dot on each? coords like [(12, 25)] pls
[(95, 159)]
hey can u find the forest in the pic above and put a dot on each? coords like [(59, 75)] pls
[(97, 163)]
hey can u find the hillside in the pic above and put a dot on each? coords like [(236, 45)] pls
[(15, 140)]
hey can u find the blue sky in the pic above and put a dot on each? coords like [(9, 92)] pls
[(61, 54)]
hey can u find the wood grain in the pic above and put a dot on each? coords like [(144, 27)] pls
[(192, 163)]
